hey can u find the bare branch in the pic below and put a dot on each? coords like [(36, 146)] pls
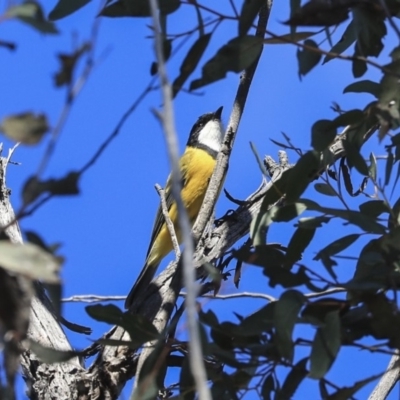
[(196, 354), (168, 221), (388, 380)]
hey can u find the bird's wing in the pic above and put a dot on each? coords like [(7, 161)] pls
[(159, 221)]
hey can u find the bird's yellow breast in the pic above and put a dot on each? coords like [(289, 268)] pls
[(196, 167)]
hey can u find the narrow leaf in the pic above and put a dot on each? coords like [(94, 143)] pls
[(250, 9), (66, 7), (30, 260), (364, 86), (308, 59), (325, 346), (325, 189), (238, 54), (285, 316), (293, 380)]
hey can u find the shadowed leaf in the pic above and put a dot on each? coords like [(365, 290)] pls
[(26, 128), (66, 7), (238, 54), (286, 312), (250, 9), (326, 346), (308, 59)]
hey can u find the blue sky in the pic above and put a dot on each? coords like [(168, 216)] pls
[(105, 230)]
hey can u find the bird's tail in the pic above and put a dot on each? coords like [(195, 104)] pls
[(141, 284)]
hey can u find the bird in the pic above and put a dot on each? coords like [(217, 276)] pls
[(196, 164)]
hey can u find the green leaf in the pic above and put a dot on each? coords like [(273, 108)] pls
[(371, 264), (268, 387), (276, 191), (349, 118), (374, 208), (259, 228), (34, 188), (301, 174), (250, 9), (389, 98), (298, 243), (66, 7), (272, 261), (293, 380), (354, 157), (151, 373), (372, 169), (337, 246), (191, 61), (31, 13), (26, 128), (389, 166), (262, 255), (295, 6), (326, 346), (260, 321), (326, 189), (238, 54), (140, 329), (209, 318), (323, 132), (286, 312), (364, 222), (365, 86), (289, 38), (260, 223), (358, 67), (371, 29), (31, 261), (308, 59), (138, 8), (318, 13), (287, 212), (347, 39), (385, 322), (49, 355)]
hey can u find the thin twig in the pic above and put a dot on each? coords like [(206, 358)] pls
[(368, 61), (196, 354), (73, 92), (314, 295), (241, 295), (10, 154), (118, 127), (168, 222), (91, 298), (234, 9), (221, 168)]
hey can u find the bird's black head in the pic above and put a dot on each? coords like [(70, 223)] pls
[(207, 132)]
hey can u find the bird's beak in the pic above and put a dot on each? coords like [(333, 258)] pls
[(217, 114)]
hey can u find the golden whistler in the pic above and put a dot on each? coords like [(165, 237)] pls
[(197, 165)]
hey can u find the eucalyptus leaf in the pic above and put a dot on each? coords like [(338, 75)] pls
[(308, 59), (250, 9), (326, 346), (286, 312), (238, 54), (66, 7), (30, 260)]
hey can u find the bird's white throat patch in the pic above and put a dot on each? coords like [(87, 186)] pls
[(211, 135)]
